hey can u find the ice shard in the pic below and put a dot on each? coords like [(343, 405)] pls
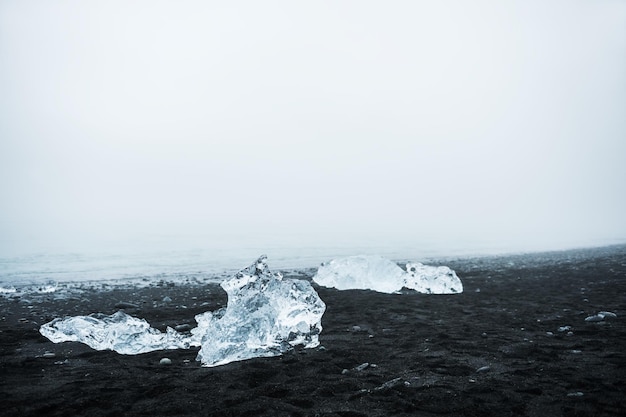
[(266, 315), (119, 332), (379, 274)]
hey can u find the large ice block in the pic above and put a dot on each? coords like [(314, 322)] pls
[(266, 315), (379, 274)]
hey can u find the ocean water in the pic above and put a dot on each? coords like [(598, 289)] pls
[(205, 264), (184, 259)]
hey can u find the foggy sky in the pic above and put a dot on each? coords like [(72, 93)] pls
[(312, 122)]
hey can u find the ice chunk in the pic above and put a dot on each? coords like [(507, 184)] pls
[(380, 274), (265, 316), (119, 332), (361, 272), (432, 279)]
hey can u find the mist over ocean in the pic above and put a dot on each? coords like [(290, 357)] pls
[(207, 258)]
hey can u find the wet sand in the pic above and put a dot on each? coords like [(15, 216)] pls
[(501, 348)]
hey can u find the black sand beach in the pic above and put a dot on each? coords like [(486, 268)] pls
[(501, 348)]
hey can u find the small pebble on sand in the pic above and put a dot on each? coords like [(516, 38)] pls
[(182, 328), (601, 316), (165, 361), (362, 367)]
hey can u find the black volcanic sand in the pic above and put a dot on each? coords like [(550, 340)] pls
[(495, 350)]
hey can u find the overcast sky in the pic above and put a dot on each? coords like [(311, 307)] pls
[(312, 122)]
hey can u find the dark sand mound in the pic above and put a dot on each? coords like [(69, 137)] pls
[(495, 350)]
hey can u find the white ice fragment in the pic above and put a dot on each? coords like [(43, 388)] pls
[(8, 290), (380, 274), (608, 314), (265, 316), (47, 288), (432, 279), (119, 332)]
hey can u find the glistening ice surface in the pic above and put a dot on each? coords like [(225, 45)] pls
[(266, 315), (380, 274)]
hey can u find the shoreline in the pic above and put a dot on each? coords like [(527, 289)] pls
[(75, 270), (202, 278)]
